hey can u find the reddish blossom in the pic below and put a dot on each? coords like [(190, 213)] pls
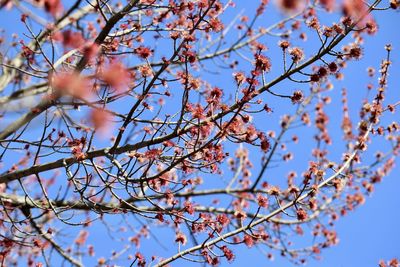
[(145, 71), (262, 63), (152, 154), (181, 238), (82, 237), (198, 112), (262, 201), (223, 219), (284, 44), (265, 145), (215, 96), (69, 38), (228, 253), (190, 56), (355, 9), (297, 54), (90, 50), (143, 52), (189, 207), (239, 78), (116, 75), (216, 25), (70, 84), (394, 263), (297, 97), (54, 7), (291, 6), (100, 118), (328, 4), (248, 240), (301, 214), (333, 67)]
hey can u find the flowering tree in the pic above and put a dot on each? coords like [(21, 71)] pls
[(191, 125)]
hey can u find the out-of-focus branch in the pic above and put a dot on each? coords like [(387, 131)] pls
[(49, 101), (64, 21)]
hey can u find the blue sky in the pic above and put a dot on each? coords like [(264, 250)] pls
[(372, 231)]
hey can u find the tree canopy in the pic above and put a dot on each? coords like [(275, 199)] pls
[(173, 132)]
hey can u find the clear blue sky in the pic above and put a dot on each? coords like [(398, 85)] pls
[(371, 232)]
